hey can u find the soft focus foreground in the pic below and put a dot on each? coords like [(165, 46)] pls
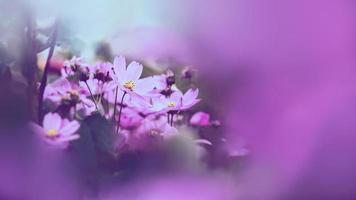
[(236, 99)]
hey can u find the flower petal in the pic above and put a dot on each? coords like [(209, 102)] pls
[(144, 85), (69, 128), (134, 71), (191, 104), (119, 66), (68, 138), (51, 121), (190, 95)]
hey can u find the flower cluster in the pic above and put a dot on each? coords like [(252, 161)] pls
[(139, 106)]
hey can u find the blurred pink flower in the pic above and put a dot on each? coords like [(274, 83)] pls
[(130, 118), (57, 131), (62, 89), (96, 86), (71, 66), (200, 119), (102, 71), (156, 128)]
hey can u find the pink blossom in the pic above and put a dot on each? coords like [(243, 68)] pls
[(156, 127), (130, 118), (96, 86), (176, 101), (200, 119), (57, 131), (128, 78), (63, 90), (102, 71), (72, 66)]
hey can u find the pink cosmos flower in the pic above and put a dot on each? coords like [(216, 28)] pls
[(102, 71), (164, 84), (130, 118), (96, 86), (72, 66), (200, 119), (156, 127), (128, 79), (176, 101), (62, 89), (57, 131)]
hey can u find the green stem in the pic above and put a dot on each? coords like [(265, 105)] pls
[(121, 105), (116, 91), (92, 96), (45, 72)]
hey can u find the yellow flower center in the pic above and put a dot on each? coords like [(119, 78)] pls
[(52, 133), (129, 85), (171, 104)]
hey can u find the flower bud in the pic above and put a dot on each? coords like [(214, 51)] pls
[(187, 73), (200, 119), (170, 79)]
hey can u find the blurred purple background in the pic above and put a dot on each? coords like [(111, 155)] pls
[(280, 75)]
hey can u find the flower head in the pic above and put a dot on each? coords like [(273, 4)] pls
[(128, 79), (176, 101), (156, 128), (102, 71), (64, 92), (58, 131), (76, 69)]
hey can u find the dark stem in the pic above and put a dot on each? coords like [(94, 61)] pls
[(172, 115), (115, 103), (92, 96), (45, 72), (121, 105)]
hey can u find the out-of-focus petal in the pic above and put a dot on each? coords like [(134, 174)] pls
[(68, 138), (190, 95), (203, 141), (190, 104), (69, 128), (51, 121)]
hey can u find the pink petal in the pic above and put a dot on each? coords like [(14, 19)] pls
[(69, 128), (51, 121), (203, 141), (119, 66), (68, 138), (134, 71), (36, 128), (189, 105), (190, 95), (145, 85), (176, 96)]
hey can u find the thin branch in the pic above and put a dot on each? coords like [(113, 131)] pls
[(45, 72), (115, 103), (121, 105), (92, 96)]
